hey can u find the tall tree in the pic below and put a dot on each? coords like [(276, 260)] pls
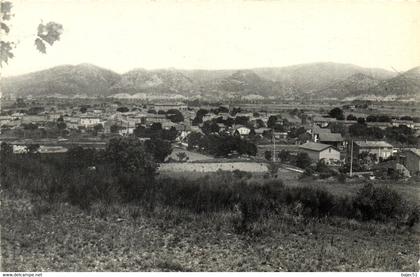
[(174, 115), (337, 113), (159, 148)]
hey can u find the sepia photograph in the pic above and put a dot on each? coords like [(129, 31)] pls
[(209, 136)]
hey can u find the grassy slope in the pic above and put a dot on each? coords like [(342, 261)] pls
[(42, 237)]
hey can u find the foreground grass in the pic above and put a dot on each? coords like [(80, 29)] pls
[(38, 236)]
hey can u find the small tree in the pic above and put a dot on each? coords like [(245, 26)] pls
[(351, 117), (98, 128), (159, 149), (114, 129), (337, 113), (210, 127), (272, 120), (175, 116), (182, 157), (130, 156), (194, 140), (33, 148), (284, 155), (123, 109), (273, 168), (378, 203), (303, 160), (268, 155), (61, 125), (6, 149)]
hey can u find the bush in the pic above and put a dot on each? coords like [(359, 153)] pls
[(316, 202), (378, 203), (242, 174), (49, 179), (303, 160), (341, 178)]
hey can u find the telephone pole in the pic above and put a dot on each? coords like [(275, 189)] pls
[(274, 146), (351, 159)]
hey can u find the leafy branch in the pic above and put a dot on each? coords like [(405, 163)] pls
[(47, 34)]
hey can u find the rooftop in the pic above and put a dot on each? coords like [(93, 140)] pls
[(323, 119), (402, 121), (330, 137), (314, 146), (373, 144), (415, 151), (317, 130)]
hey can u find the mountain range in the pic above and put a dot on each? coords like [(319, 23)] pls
[(316, 80)]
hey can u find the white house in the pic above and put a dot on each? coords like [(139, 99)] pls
[(89, 121), (242, 130), (381, 149), (398, 122), (319, 151)]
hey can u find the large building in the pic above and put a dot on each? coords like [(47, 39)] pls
[(381, 149), (319, 151), (169, 106), (89, 121)]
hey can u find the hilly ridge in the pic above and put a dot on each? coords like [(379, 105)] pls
[(65, 80), (308, 80), (154, 81), (404, 84)]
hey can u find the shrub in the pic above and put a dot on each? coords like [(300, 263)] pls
[(341, 178), (378, 203), (316, 202), (303, 160), (242, 174), (50, 180)]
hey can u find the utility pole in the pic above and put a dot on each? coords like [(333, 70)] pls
[(351, 159), (274, 146)]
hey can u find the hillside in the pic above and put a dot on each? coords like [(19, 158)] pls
[(66, 81), (356, 84), (406, 84), (153, 82), (307, 80)]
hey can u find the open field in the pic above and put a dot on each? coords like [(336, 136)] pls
[(213, 167), (192, 156), (37, 236)]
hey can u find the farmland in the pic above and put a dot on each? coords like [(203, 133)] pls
[(192, 156), (214, 167)]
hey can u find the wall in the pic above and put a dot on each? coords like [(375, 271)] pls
[(330, 154), (379, 152), (413, 163), (314, 155)]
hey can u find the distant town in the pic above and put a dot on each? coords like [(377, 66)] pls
[(357, 138)]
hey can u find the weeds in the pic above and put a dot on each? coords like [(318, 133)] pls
[(250, 199)]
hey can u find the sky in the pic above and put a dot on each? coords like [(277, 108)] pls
[(213, 34)]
